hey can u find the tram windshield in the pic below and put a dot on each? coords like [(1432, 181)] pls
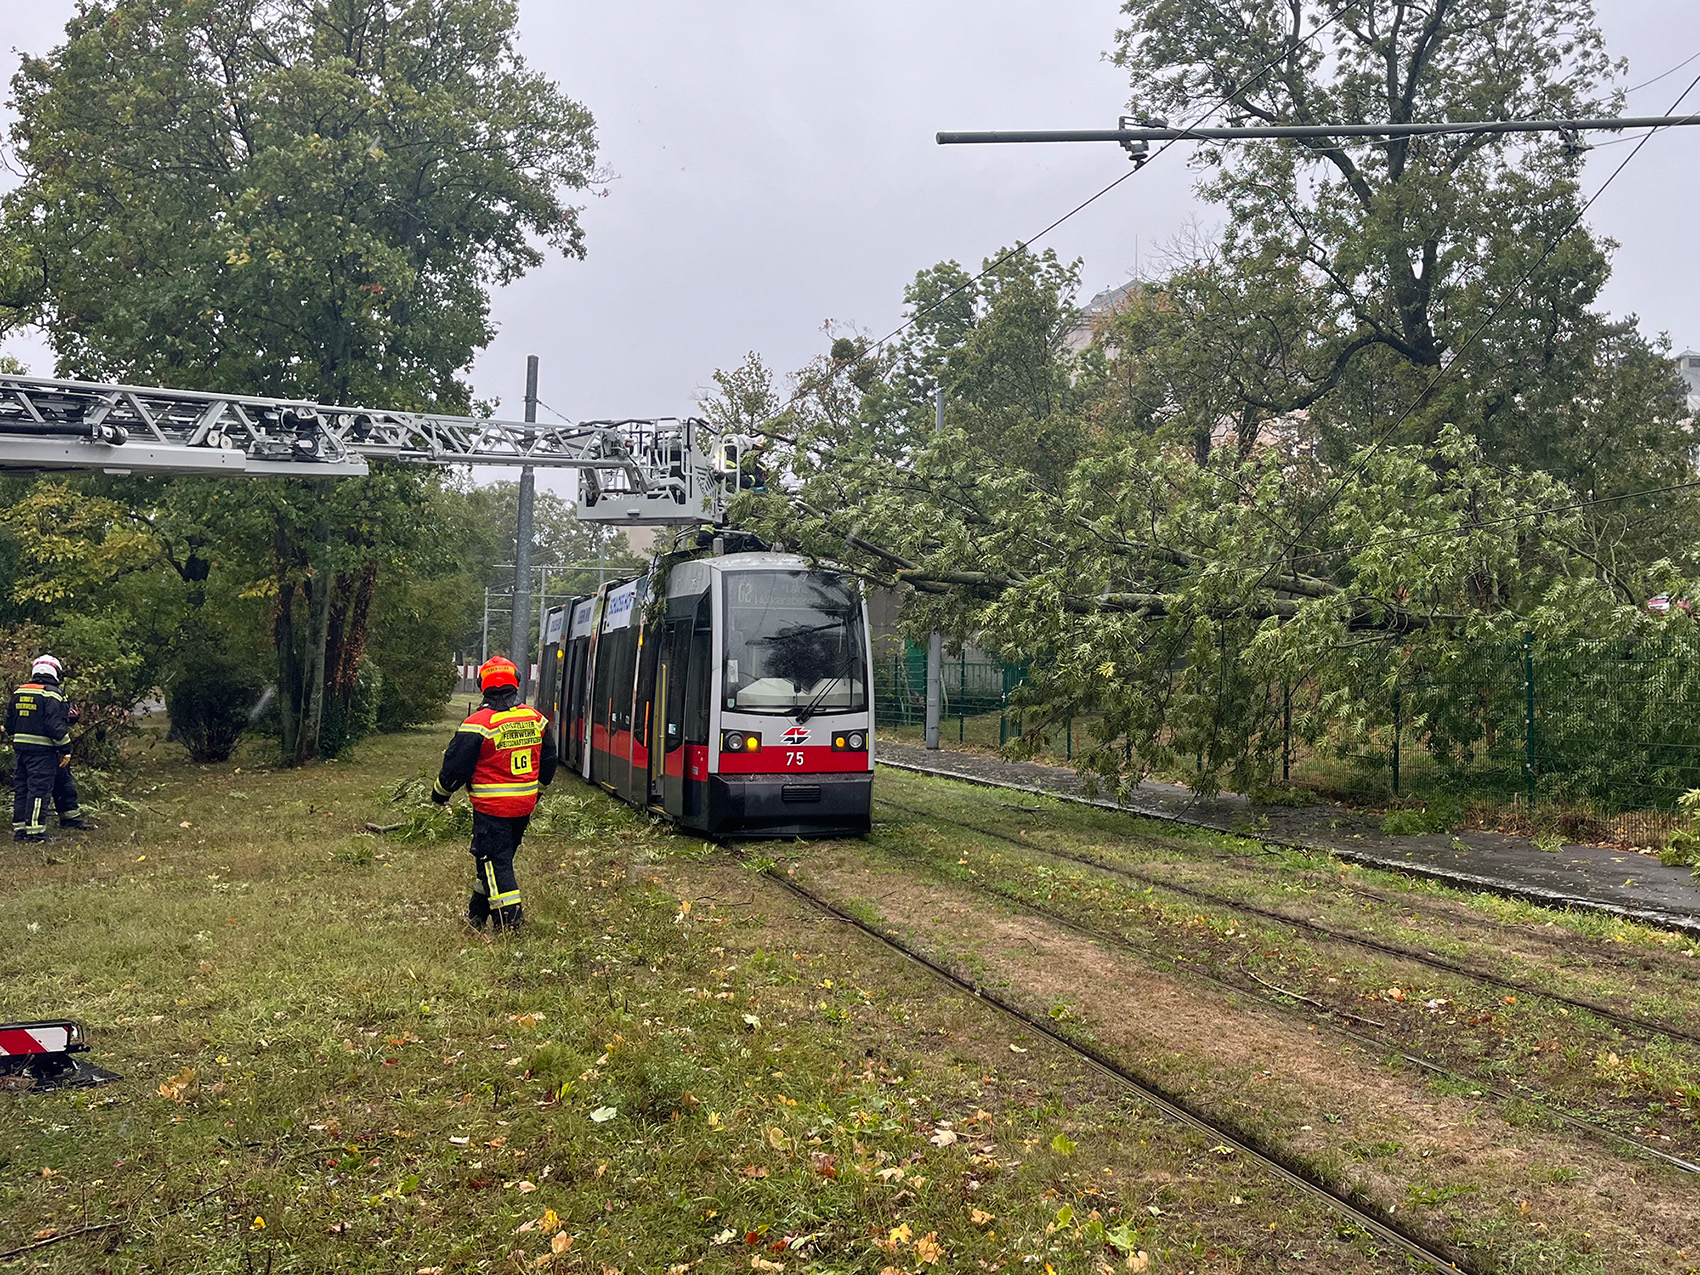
[(793, 644)]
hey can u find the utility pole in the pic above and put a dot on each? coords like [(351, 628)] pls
[(520, 648), (484, 647), (935, 643), (542, 619)]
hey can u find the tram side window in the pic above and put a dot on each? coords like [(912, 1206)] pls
[(700, 676), (678, 664), (607, 658), (625, 667), (646, 658)]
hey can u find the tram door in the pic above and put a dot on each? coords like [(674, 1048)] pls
[(668, 774), (658, 720)]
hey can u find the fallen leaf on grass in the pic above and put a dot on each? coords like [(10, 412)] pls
[(525, 1188), (725, 1237), (461, 1142), (179, 1087), (943, 1138), (981, 1217), (754, 1171), (47, 1234), (762, 1264), (602, 1115), (928, 1248), (429, 1270), (561, 1243), (1140, 1261)]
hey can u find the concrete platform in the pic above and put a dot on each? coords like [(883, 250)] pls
[(1634, 886)]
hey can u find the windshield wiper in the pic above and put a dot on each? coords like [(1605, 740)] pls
[(814, 704)]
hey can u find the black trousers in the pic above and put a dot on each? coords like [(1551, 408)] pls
[(38, 780), (495, 889)]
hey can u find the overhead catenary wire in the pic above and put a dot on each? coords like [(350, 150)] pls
[(1663, 74)]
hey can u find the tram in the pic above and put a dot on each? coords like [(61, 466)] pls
[(729, 693)]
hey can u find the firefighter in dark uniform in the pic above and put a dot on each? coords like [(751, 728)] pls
[(39, 722), (501, 754)]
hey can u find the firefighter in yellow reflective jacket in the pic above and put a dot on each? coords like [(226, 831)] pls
[(502, 753), (39, 722)]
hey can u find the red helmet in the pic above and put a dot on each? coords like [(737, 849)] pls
[(498, 670)]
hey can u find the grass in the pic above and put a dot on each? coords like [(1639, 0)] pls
[(673, 1068)]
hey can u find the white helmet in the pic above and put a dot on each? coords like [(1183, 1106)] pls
[(45, 665)]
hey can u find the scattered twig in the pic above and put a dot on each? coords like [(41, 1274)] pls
[(1326, 1009), (382, 828), (63, 1235)]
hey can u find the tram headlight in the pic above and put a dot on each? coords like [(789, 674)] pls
[(850, 741), (740, 741)]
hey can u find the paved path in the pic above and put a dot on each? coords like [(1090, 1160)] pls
[(1616, 881)]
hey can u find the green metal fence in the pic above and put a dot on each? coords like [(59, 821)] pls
[(1613, 725), (975, 708)]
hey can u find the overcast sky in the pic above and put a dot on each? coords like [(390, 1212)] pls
[(774, 167)]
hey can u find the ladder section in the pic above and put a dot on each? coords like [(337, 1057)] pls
[(634, 472)]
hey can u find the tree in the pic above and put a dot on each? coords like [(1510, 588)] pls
[(296, 199), (284, 197), (1351, 271), (1431, 423)]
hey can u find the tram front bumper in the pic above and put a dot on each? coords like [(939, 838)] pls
[(793, 805)]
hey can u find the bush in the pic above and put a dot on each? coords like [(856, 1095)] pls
[(415, 693), (209, 702), (1441, 814), (1681, 850)]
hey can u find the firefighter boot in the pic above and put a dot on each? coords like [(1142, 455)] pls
[(477, 909)]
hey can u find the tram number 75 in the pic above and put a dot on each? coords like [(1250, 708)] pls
[(794, 758)]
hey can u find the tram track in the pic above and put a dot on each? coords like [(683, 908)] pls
[(1361, 1213), (1330, 1016), (1688, 924), (1642, 960), (1628, 1022)]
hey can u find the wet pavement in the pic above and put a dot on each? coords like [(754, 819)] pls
[(1624, 883)]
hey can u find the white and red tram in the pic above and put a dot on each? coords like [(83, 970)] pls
[(729, 693)]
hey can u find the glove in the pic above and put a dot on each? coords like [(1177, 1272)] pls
[(65, 761), (439, 798)]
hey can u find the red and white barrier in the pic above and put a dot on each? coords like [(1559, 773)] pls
[(38, 1038)]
